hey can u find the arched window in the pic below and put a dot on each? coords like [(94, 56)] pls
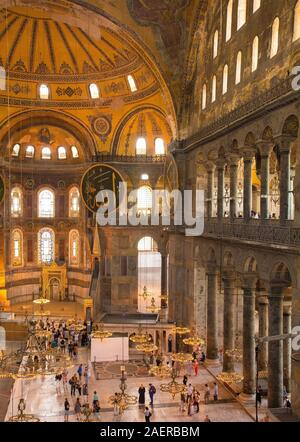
[(225, 79), (17, 248), (216, 44), (141, 146), (74, 207), (94, 91), (255, 54), (74, 151), (16, 150), (256, 5), (149, 273), (229, 20), (214, 89), (204, 96), (44, 92), (275, 38), (29, 153), (16, 202), (132, 83), (62, 153), (238, 72), (242, 13), (2, 79), (46, 203), (144, 200), (144, 177), (46, 153), (297, 21), (159, 146), (46, 246), (74, 247)]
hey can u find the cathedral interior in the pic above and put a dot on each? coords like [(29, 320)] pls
[(169, 96)]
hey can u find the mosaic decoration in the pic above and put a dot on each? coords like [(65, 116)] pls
[(97, 178), (69, 91), (101, 126), (19, 89)]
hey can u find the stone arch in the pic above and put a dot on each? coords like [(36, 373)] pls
[(291, 126), (228, 260), (250, 139), (267, 134), (250, 265)]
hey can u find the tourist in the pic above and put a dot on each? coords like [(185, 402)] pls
[(207, 419), (96, 410), (147, 414), (196, 367), (206, 394), (185, 379), (72, 383), (189, 368), (79, 371), (58, 379), (79, 386), (142, 392), (116, 405), (62, 346), (196, 401), (190, 406), (216, 391), (70, 349), (152, 391), (95, 397), (182, 401), (67, 410), (65, 379), (190, 392), (77, 409), (85, 391)]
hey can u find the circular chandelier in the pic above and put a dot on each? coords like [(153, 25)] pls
[(101, 333), (236, 354), (182, 358), (75, 325), (21, 416), (173, 387), (140, 337), (164, 298), (41, 301), (194, 340), (230, 378), (123, 400), (145, 294), (160, 371), (147, 347), (181, 330), (41, 333), (153, 308)]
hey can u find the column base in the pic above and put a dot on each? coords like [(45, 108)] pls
[(247, 398), (212, 363)]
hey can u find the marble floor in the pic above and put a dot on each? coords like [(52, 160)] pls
[(46, 403)]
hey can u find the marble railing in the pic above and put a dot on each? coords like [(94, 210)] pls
[(264, 231)]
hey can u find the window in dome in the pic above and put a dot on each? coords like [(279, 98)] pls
[(2, 79), (144, 200), (256, 5), (229, 20), (94, 91), (225, 79), (275, 37), (297, 21), (141, 146), (144, 177), (238, 73), (16, 202), (62, 153), (46, 153), (17, 245), (46, 203), (16, 150), (46, 246), (74, 152), (29, 152), (74, 207), (204, 96), (74, 247), (132, 83), (159, 146), (242, 13), (255, 54), (216, 44), (44, 92), (214, 89)]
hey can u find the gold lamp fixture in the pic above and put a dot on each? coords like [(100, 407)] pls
[(41, 302), (145, 294), (160, 371), (182, 358), (173, 387), (181, 331), (101, 333), (147, 347), (236, 353), (194, 340), (153, 308), (75, 325), (122, 399), (140, 337), (230, 378)]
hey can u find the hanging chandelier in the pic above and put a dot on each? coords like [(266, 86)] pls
[(194, 340), (101, 333), (153, 308), (140, 337), (75, 325), (145, 294), (230, 378), (147, 347), (123, 400), (236, 353), (164, 298), (41, 302), (173, 387), (160, 371), (179, 330), (182, 358), (21, 416)]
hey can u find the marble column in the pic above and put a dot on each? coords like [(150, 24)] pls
[(233, 188), (229, 281), (275, 363), (263, 305), (249, 288), (221, 172), (285, 177), (287, 347), (164, 278), (212, 317), (248, 160), (210, 190)]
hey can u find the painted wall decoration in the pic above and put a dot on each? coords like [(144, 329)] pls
[(97, 178), (101, 126)]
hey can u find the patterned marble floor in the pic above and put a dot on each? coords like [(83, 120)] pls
[(43, 401)]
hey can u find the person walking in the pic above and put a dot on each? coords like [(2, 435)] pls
[(67, 410), (85, 391), (190, 392), (216, 391), (95, 397), (147, 414), (142, 391), (72, 383), (58, 379), (79, 386), (152, 391), (185, 379), (196, 367), (79, 371), (206, 394), (77, 409)]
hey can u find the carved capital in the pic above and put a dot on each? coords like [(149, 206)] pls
[(265, 148)]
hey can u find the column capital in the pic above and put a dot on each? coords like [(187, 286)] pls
[(210, 166), (277, 289), (284, 142), (265, 147), (249, 153), (220, 163), (211, 268), (249, 280), (233, 159)]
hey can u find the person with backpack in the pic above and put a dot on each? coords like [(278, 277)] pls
[(152, 391), (147, 414)]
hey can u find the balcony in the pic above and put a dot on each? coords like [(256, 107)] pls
[(139, 159)]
